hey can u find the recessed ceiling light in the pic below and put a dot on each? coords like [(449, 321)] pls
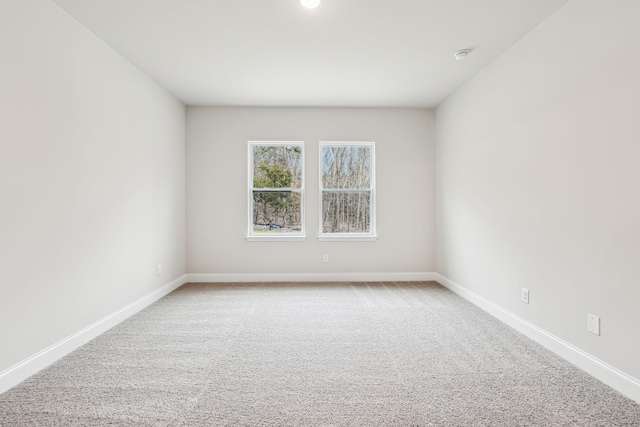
[(461, 54), (310, 4)]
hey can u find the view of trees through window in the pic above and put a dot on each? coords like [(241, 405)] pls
[(277, 178), (346, 188)]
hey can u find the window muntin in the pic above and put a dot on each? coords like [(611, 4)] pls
[(276, 190), (347, 191)]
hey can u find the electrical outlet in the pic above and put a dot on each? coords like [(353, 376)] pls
[(325, 258), (524, 295), (158, 270), (593, 324)]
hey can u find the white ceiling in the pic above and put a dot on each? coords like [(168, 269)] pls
[(394, 53)]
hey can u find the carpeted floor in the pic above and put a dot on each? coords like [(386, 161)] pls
[(383, 354)]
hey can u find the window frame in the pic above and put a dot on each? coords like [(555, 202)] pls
[(371, 236), (275, 237)]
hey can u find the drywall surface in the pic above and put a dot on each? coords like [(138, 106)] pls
[(538, 184), (92, 180), (217, 216)]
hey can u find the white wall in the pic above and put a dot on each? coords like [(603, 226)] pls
[(92, 180), (538, 179), (217, 190)]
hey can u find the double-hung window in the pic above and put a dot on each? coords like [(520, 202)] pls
[(347, 191), (276, 191)]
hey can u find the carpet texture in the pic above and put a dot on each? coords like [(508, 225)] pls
[(341, 354)]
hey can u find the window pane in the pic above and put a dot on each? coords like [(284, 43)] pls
[(346, 167), (346, 212), (276, 212), (277, 166)]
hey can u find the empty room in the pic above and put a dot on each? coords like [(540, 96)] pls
[(319, 213)]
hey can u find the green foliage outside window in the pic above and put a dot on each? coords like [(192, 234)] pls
[(277, 184)]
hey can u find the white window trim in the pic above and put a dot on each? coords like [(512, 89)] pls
[(292, 238), (289, 237), (348, 237)]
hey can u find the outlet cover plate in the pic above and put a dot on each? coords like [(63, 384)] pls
[(593, 324), (524, 295)]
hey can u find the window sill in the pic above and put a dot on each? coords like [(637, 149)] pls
[(274, 238), (347, 238)]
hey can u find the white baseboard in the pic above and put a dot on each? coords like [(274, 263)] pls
[(311, 277), (614, 378), (23, 370)]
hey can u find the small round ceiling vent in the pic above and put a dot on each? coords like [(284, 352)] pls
[(461, 54)]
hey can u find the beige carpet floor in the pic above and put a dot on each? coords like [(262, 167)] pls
[(339, 354)]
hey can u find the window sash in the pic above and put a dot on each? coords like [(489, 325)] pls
[(346, 212), (353, 236), (293, 235), (276, 190), (347, 190)]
